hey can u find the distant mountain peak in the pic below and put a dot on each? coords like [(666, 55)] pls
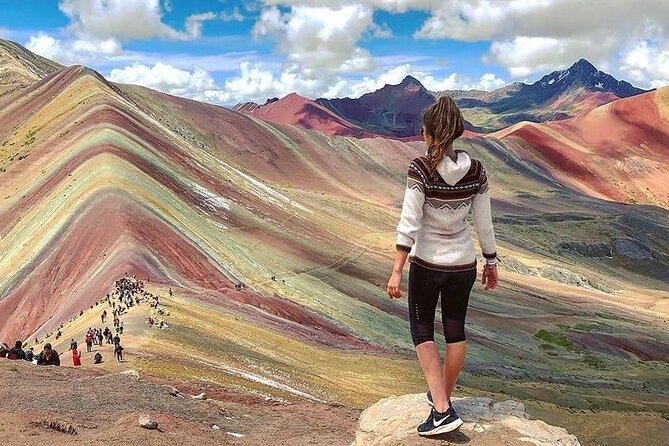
[(584, 66), (582, 74), (410, 80), (291, 98)]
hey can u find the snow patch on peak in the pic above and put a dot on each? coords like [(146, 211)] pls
[(563, 74)]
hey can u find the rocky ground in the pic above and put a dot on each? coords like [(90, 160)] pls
[(41, 404), (63, 406)]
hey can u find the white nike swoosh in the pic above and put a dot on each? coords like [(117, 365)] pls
[(437, 424)]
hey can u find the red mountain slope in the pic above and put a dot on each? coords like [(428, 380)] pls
[(302, 112), (617, 151)]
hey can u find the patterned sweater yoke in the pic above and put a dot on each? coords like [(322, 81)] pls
[(433, 225)]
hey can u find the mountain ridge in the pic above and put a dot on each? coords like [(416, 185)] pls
[(395, 110), (20, 67)]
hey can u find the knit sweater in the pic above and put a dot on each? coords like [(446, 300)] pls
[(433, 225)]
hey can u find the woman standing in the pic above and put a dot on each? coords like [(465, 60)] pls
[(76, 357), (433, 233)]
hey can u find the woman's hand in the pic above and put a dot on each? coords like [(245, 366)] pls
[(394, 285), (490, 277)]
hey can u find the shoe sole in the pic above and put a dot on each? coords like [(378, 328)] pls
[(443, 429)]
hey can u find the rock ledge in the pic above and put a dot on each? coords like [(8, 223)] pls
[(393, 421)]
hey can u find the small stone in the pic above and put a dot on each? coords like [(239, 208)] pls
[(133, 373), (174, 392), (201, 396), (147, 423), (215, 427)]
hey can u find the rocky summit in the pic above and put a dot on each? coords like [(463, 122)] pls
[(392, 422)]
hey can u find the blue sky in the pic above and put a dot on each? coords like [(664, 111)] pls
[(227, 51)]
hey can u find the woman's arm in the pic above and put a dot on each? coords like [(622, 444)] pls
[(483, 219), (482, 213), (408, 227), (393, 289), (412, 210)]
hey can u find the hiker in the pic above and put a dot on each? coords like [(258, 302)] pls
[(30, 354), (116, 340), (89, 343), (4, 350), (73, 344), (120, 328), (16, 352), (103, 316), (97, 359), (100, 337), (118, 351), (441, 188), (48, 356), (76, 357)]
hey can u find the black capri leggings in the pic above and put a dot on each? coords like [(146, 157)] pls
[(425, 285)]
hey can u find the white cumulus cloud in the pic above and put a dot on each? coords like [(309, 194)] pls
[(127, 19), (320, 39), (257, 82), (97, 29), (647, 60), (73, 51), (532, 36), (192, 84)]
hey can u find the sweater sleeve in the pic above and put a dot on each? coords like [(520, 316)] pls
[(483, 218), (412, 210)]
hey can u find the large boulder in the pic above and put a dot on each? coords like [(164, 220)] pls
[(393, 421)]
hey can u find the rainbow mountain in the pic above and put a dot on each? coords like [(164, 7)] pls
[(100, 179)]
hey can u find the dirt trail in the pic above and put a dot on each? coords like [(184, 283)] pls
[(103, 402), (133, 339)]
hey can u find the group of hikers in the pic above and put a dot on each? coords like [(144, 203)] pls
[(48, 356), (129, 291), (95, 337)]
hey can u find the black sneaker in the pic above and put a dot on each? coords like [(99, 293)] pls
[(430, 403), (439, 423)]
